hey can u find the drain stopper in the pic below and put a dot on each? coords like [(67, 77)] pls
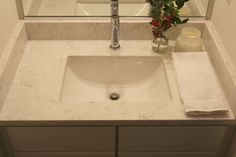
[(114, 96)]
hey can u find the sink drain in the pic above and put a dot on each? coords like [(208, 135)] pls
[(114, 96)]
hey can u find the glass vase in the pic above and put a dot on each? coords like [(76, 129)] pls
[(160, 44)]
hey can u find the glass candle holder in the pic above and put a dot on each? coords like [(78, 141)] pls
[(189, 40)]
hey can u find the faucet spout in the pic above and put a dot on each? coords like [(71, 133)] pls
[(115, 24)]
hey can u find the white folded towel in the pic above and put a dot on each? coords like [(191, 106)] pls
[(199, 89)]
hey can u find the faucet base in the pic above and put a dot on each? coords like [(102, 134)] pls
[(114, 46)]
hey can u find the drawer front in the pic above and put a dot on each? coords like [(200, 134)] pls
[(86, 139), (167, 154), (155, 139), (63, 154)]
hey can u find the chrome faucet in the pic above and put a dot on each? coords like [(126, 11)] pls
[(115, 24)]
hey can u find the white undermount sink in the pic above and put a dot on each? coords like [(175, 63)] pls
[(103, 78)]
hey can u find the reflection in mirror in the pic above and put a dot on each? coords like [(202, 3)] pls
[(71, 8)]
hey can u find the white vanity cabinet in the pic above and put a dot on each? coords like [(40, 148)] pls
[(170, 141), (146, 141), (1, 151), (64, 154), (167, 154), (62, 141)]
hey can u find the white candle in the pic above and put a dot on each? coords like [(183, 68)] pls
[(189, 40)]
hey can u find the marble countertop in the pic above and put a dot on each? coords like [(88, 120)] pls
[(35, 91)]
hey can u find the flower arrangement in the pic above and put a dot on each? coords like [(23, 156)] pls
[(165, 14)]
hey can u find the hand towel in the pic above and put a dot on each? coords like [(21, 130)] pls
[(199, 88)]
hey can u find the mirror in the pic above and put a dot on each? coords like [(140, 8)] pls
[(90, 8)]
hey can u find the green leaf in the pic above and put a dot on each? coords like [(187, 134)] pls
[(184, 21)]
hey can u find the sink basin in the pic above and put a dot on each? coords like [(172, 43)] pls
[(103, 78)]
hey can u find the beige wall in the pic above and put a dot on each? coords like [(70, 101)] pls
[(224, 16), (8, 20)]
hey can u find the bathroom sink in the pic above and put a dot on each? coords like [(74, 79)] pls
[(110, 78)]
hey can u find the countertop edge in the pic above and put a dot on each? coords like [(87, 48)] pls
[(105, 123)]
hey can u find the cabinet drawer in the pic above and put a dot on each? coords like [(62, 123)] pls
[(86, 139), (64, 154), (167, 154), (155, 139)]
